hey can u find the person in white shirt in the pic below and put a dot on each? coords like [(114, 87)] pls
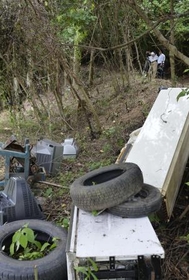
[(161, 64), (153, 58)]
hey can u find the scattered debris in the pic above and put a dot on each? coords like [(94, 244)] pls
[(70, 148)]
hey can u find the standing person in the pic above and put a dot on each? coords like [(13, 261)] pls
[(153, 58), (146, 65), (161, 64)]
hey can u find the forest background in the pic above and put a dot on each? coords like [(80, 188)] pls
[(74, 69)]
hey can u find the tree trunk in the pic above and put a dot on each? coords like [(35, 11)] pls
[(91, 68), (171, 54), (76, 58), (83, 91)]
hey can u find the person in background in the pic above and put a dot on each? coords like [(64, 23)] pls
[(161, 64), (153, 58)]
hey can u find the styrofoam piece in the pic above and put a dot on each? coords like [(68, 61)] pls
[(161, 149)]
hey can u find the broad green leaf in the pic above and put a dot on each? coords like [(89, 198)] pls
[(16, 236), (94, 265), (53, 246), (184, 92), (29, 233), (81, 269), (12, 249), (37, 244), (23, 241), (27, 250), (55, 238), (44, 246)]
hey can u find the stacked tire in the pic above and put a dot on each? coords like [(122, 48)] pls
[(118, 188)]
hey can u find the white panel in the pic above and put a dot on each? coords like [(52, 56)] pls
[(157, 141), (108, 235)]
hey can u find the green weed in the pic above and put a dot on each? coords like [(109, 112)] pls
[(25, 245), (88, 270)]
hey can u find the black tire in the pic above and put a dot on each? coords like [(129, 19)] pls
[(147, 201), (52, 266), (107, 186)]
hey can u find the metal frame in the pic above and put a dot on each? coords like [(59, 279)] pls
[(149, 268), (145, 268), (7, 154)]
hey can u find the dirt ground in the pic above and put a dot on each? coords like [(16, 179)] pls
[(123, 108)]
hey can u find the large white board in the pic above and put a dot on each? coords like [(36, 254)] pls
[(161, 149)]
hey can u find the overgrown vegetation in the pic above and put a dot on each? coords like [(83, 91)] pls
[(46, 42)]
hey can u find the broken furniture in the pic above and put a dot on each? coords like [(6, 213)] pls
[(11, 150), (18, 161)]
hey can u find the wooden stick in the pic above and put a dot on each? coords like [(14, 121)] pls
[(184, 212), (52, 184)]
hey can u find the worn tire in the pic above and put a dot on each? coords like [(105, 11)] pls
[(51, 266), (107, 186), (147, 201)]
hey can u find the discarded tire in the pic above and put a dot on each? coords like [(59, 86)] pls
[(107, 186), (147, 201), (51, 266)]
